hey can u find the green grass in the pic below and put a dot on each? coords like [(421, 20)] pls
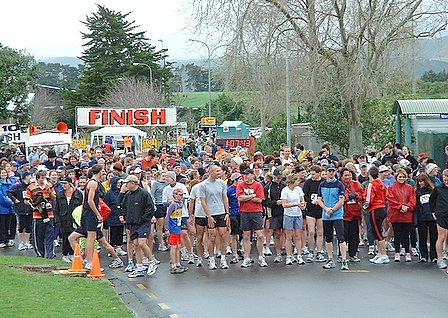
[(26, 294), (193, 99)]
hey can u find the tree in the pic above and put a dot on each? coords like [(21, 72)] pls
[(46, 109), (55, 74), (17, 74), (227, 108), (349, 41), (112, 46)]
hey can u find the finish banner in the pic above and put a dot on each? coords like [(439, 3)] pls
[(101, 117)]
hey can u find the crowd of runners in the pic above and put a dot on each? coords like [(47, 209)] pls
[(208, 205)]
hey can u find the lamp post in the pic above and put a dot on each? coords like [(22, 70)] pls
[(163, 52), (209, 76), (150, 71)]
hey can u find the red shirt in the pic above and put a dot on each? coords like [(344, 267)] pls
[(148, 164), (397, 196), (245, 189), (375, 195)]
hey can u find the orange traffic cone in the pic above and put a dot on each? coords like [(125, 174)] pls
[(77, 261), (95, 272)]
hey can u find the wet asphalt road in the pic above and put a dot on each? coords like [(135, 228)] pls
[(366, 290)]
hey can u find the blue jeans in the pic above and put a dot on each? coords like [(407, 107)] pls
[(43, 238)]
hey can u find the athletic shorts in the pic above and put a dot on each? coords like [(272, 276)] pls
[(89, 221), (219, 220), (330, 226), (235, 226), (442, 221), (276, 222), (116, 235), (377, 217), (140, 231), (174, 239), (183, 223), (292, 222), (83, 232), (200, 221), (160, 211), (317, 214), (25, 222), (105, 225), (251, 221)]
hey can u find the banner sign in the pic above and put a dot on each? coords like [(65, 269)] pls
[(79, 143), (232, 143), (101, 117), (11, 133), (208, 122)]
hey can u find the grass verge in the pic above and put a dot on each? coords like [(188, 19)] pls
[(25, 294)]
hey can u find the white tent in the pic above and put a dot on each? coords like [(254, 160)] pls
[(98, 137)]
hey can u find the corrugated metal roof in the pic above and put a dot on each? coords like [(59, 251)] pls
[(421, 106), (229, 123)]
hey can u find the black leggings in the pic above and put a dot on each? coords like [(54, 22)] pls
[(66, 247), (351, 234), (423, 227), (401, 236), (338, 226)]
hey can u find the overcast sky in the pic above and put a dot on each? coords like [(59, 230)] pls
[(51, 28)]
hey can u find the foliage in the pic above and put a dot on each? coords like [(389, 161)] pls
[(44, 295), (431, 76), (193, 78), (329, 122), (270, 141), (17, 73), (112, 46), (58, 75), (227, 108)]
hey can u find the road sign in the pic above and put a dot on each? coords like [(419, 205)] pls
[(79, 143), (207, 122), (149, 143)]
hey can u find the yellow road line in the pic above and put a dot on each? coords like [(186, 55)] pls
[(163, 306), (357, 271), (141, 286), (131, 279), (152, 296)]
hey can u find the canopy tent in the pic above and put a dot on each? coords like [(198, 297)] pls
[(98, 137)]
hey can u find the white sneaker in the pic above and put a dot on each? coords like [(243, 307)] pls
[(21, 247), (372, 260), (10, 243), (29, 246), (145, 261), (224, 263), (191, 259), (382, 259), (199, 262), (246, 263), (390, 247), (441, 264), (66, 259), (300, 260), (371, 250), (56, 243), (414, 252), (267, 251), (288, 260), (120, 251), (262, 261), (212, 263), (163, 247), (152, 267), (229, 250), (402, 251), (278, 259)]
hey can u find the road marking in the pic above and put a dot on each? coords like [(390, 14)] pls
[(357, 271), (174, 316), (152, 296), (141, 286), (163, 306), (131, 279)]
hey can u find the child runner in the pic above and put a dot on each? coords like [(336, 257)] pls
[(173, 225)]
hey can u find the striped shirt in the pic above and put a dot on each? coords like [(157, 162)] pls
[(32, 190)]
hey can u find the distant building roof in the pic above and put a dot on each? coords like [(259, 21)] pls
[(421, 106), (12, 106), (229, 123)]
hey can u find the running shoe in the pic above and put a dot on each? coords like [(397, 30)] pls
[(184, 257), (288, 260), (183, 268), (223, 263), (88, 267), (10, 243), (199, 262), (390, 247), (191, 259), (120, 251), (246, 263), (329, 264), (262, 261), (382, 259), (145, 261), (234, 259), (212, 263), (402, 251), (372, 260), (361, 243), (305, 250), (56, 243), (278, 258), (155, 260), (66, 259), (163, 247), (130, 267), (320, 258), (152, 268), (339, 259), (176, 270), (397, 257), (29, 246), (300, 260), (408, 257), (444, 255), (310, 258), (267, 251), (371, 250), (228, 250), (295, 251), (205, 255), (441, 264), (21, 247), (2, 245), (354, 259), (414, 252), (136, 273), (423, 260), (344, 266), (116, 263)]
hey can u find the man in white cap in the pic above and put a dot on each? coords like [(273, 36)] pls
[(167, 197)]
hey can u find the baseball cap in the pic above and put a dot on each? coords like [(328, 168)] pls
[(382, 168), (84, 165), (178, 191), (363, 164), (324, 162), (248, 171), (171, 174), (277, 173), (137, 170), (25, 174), (235, 176), (66, 179), (265, 167), (131, 178), (331, 167), (430, 167)]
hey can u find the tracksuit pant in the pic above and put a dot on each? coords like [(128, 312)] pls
[(43, 238)]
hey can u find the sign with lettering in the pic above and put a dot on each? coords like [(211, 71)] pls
[(232, 143), (11, 133), (101, 117), (207, 122), (79, 143)]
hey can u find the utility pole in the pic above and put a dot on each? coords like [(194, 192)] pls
[(288, 96)]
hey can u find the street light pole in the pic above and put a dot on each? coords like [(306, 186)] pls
[(209, 76), (163, 52), (150, 71)]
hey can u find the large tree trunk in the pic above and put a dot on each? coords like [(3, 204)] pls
[(353, 108)]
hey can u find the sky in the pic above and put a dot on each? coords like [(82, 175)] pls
[(51, 28)]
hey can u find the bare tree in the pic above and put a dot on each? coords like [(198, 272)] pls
[(46, 109), (134, 93), (348, 41)]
